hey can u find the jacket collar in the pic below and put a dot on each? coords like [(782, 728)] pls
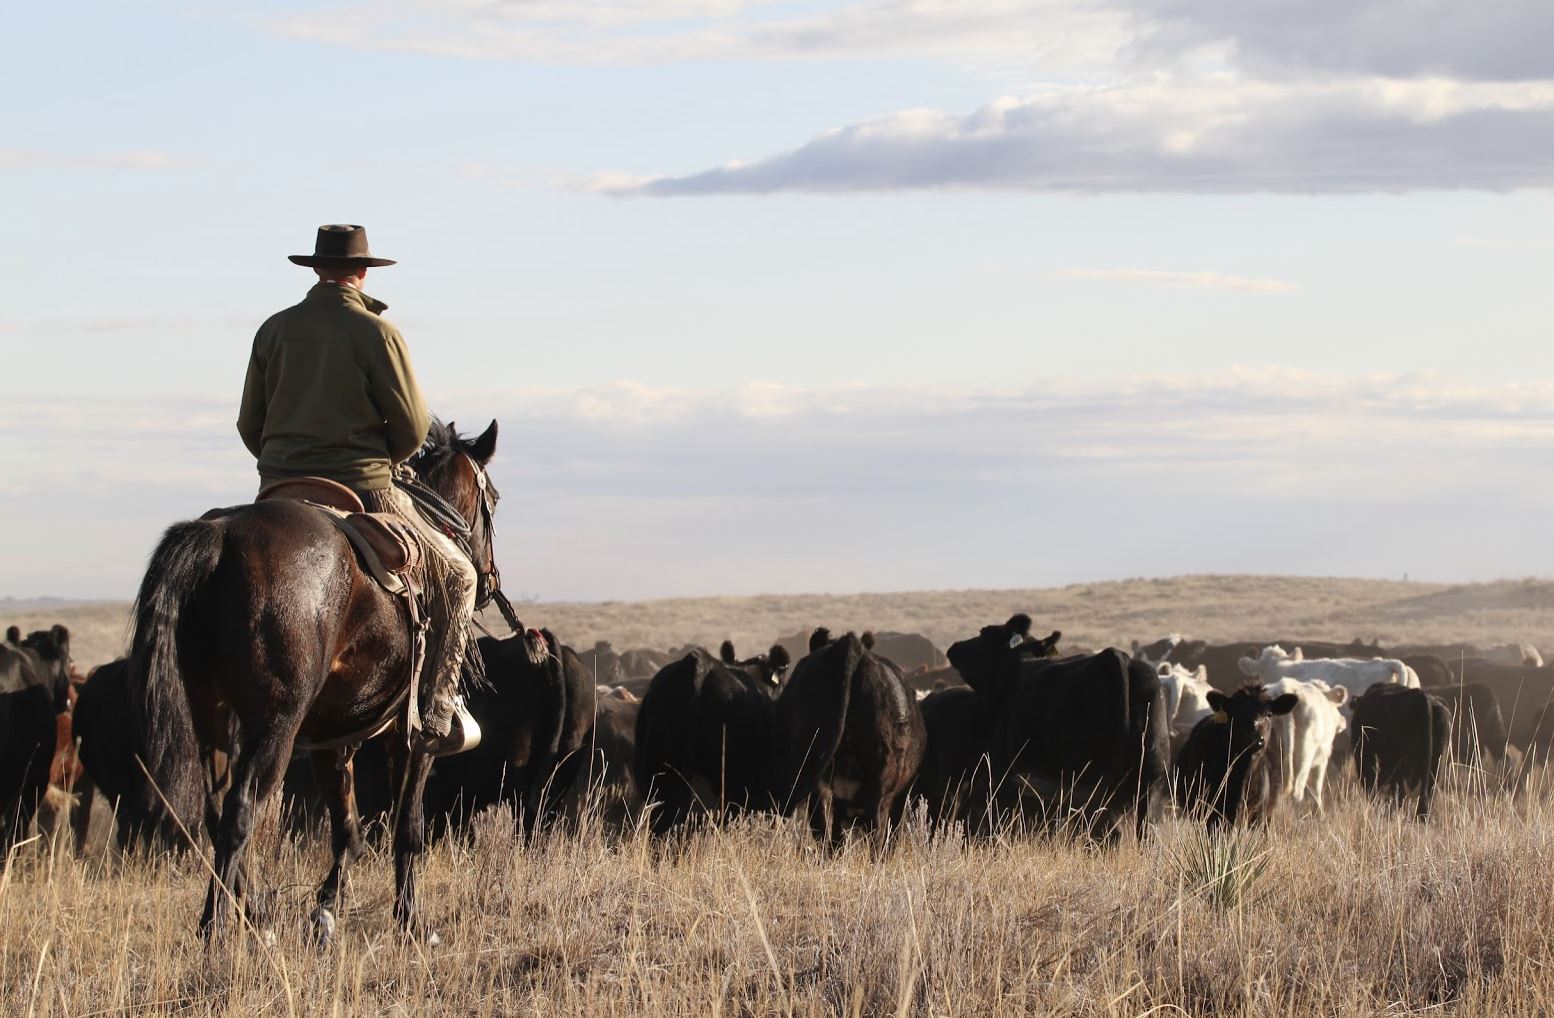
[(334, 293)]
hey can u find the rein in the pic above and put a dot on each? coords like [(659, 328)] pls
[(441, 514)]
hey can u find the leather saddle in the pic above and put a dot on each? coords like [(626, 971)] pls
[(390, 551), (388, 546)]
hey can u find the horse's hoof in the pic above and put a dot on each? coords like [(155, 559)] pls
[(323, 922)]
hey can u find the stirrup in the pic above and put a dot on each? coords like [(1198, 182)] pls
[(463, 733)]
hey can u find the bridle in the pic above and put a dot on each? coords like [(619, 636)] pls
[(442, 514)]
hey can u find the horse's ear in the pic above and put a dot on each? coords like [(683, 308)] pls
[(484, 447)]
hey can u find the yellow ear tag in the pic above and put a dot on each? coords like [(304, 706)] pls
[(1221, 718)]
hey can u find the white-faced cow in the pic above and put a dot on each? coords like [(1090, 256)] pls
[(1186, 698), (1303, 738)]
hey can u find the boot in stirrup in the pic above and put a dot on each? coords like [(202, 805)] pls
[(463, 730)]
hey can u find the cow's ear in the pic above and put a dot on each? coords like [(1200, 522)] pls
[(1218, 700), (1020, 624), (726, 652), (484, 447), (1338, 694), (1202, 673), (1163, 669), (1299, 655), (819, 638), (1283, 704), (1053, 638), (1248, 666), (779, 658)]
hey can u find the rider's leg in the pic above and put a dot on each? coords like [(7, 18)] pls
[(450, 604), (450, 617)]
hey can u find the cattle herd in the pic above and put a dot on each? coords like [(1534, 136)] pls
[(851, 731)]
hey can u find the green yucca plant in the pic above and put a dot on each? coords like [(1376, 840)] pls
[(1225, 868)]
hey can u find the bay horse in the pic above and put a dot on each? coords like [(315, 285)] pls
[(256, 629)]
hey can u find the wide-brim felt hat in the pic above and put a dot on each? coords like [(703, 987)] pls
[(340, 244)]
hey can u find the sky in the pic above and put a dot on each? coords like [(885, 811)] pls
[(794, 295)]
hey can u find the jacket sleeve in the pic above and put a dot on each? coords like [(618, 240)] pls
[(250, 415), (397, 396)]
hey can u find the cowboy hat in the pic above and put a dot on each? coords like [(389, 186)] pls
[(340, 244)]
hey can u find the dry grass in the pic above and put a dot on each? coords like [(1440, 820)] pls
[(1361, 912), (1090, 614)]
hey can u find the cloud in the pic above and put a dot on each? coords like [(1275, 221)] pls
[(1189, 280), (1490, 40), (1053, 34), (37, 159), (1169, 136), (629, 490)]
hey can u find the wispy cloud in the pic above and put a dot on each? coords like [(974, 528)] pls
[(1056, 34), (1173, 136), (1189, 280), (38, 159)]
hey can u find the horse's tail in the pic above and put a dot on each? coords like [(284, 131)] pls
[(177, 573)]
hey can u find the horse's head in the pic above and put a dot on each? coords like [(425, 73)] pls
[(455, 467)]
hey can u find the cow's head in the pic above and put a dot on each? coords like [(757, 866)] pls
[(768, 668), (1245, 713), (980, 657)]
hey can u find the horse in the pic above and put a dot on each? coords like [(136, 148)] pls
[(256, 629)]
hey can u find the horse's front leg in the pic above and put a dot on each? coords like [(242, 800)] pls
[(336, 778), (411, 771)]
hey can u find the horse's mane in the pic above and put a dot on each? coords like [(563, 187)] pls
[(442, 444)]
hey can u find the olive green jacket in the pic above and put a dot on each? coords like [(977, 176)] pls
[(330, 392)]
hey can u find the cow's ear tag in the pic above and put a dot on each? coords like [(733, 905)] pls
[(1015, 641), (1221, 718)]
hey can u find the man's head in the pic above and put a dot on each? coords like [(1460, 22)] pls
[(340, 253), (345, 275)]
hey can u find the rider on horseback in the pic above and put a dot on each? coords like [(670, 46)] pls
[(330, 393)]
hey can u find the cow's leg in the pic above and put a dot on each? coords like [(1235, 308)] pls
[(337, 782), (411, 770), (258, 763), (81, 819), (821, 817)]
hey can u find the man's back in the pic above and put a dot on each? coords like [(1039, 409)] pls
[(330, 392)]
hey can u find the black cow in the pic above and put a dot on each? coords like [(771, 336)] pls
[(535, 722), (34, 688), (848, 737), (955, 767), (1479, 736), (607, 781), (110, 745), (1223, 772), (1521, 690), (1399, 735), (702, 733), (1083, 736)]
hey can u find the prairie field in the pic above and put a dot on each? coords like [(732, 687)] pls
[(1089, 614), (1359, 911)]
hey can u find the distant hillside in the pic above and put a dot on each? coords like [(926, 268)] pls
[(1089, 614)]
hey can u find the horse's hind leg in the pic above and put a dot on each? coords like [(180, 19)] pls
[(258, 764), (337, 782)]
